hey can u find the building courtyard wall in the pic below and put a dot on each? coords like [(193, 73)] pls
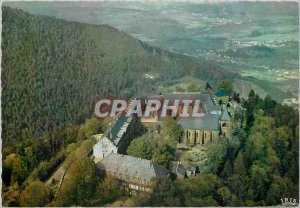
[(195, 137)]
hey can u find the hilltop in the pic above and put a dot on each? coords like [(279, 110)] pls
[(54, 70)]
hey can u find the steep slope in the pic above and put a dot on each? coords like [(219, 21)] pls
[(53, 71)]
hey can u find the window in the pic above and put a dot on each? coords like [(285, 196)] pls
[(223, 124)]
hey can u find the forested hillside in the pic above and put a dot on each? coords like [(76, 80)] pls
[(53, 71)]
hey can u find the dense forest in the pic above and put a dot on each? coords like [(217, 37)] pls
[(52, 73)]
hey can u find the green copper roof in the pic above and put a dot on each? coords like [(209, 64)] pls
[(221, 92)]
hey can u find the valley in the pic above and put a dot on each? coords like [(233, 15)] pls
[(256, 40)]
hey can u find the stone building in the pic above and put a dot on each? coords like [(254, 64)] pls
[(225, 122), (117, 137), (200, 130), (206, 104), (222, 96), (134, 174), (206, 129)]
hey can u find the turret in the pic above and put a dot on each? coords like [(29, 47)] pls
[(226, 122)]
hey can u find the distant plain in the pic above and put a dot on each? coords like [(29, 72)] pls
[(258, 40)]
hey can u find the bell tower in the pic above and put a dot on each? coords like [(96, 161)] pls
[(225, 122)]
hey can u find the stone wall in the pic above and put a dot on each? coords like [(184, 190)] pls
[(195, 137)]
